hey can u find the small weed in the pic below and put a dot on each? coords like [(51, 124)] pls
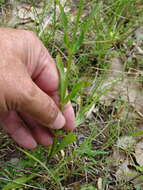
[(83, 37)]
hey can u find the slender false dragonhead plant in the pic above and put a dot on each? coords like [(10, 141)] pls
[(72, 44)]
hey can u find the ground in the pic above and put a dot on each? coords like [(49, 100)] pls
[(102, 41)]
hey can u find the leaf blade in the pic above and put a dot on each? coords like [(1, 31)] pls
[(68, 139), (17, 183)]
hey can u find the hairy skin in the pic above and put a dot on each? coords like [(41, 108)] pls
[(29, 90)]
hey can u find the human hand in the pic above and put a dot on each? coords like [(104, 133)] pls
[(29, 82)]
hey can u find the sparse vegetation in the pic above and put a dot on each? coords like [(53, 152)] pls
[(100, 44)]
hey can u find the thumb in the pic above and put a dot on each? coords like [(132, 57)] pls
[(41, 107)]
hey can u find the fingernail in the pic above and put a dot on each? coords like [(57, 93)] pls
[(59, 122)]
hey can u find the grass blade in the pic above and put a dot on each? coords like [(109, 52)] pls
[(60, 143), (74, 91), (64, 20), (51, 173), (17, 183), (68, 139), (63, 85)]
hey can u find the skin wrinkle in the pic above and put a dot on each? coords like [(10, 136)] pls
[(29, 82), (34, 47), (36, 130), (3, 107), (37, 71), (31, 58), (54, 113), (40, 67), (31, 99), (37, 74), (5, 121), (17, 93), (30, 95)]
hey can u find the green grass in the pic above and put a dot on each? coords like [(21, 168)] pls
[(85, 44)]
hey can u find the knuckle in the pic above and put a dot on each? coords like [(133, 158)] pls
[(29, 94), (53, 112), (20, 99)]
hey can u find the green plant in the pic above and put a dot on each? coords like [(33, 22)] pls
[(83, 37), (72, 47), (18, 183)]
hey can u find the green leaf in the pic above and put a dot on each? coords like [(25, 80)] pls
[(53, 147), (68, 139), (80, 115), (64, 20), (88, 187), (90, 152), (50, 172), (18, 183), (75, 90), (78, 43), (136, 134), (63, 85), (66, 40), (139, 168), (60, 64), (60, 143), (77, 22)]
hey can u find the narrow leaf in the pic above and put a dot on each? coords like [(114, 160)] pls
[(77, 21), (66, 40), (18, 183), (78, 43), (64, 20), (139, 168), (51, 173), (90, 152), (68, 139), (62, 86), (74, 91), (136, 134)]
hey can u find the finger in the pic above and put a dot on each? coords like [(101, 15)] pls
[(13, 125), (46, 73), (40, 133), (70, 117), (47, 79), (68, 113), (41, 107), (42, 136)]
